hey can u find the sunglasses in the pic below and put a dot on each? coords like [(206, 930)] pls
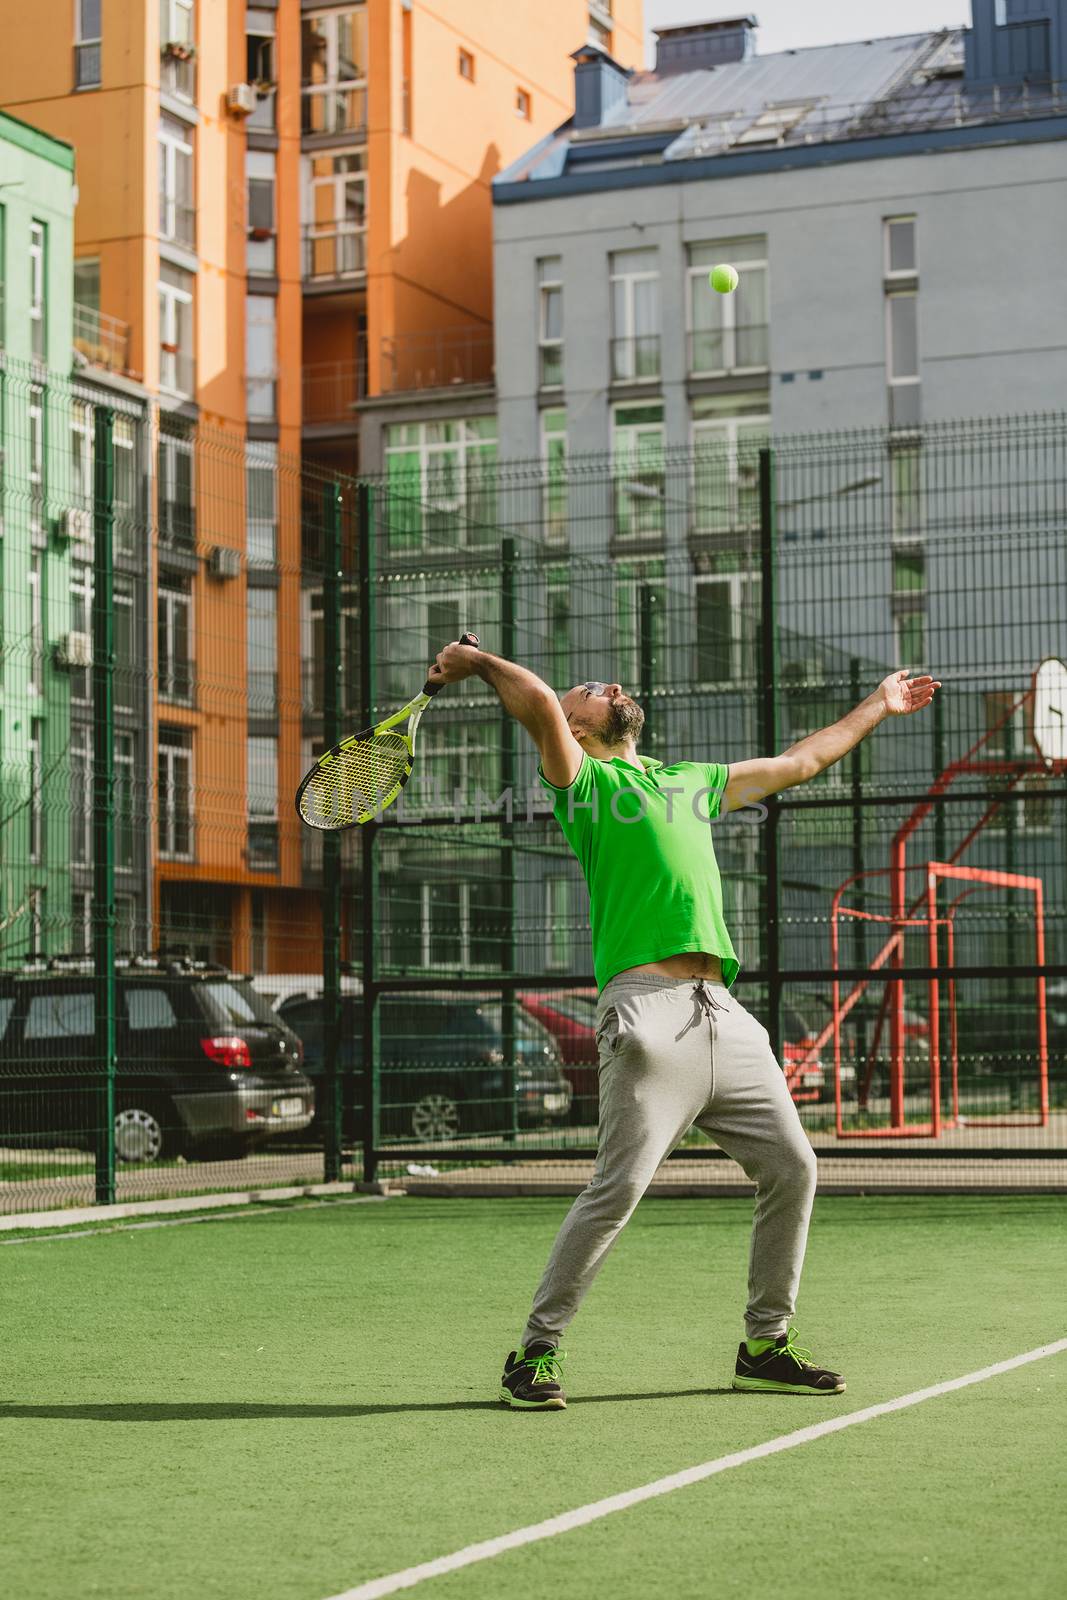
[(595, 688)]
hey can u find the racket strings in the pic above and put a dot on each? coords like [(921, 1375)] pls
[(357, 782)]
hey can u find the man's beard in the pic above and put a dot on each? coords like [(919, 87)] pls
[(624, 721)]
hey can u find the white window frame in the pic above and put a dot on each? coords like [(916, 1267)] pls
[(171, 601), (35, 584), (261, 382), (171, 297), (261, 167), (38, 289), (728, 429), (81, 754), (81, 591), (642, 574), (697, 281), (523, 104), (629, 280), (431, 947), (334, 83), (899, 621), (271, 814), (81, 453), (743, 595), (35, 417), (557, 922), (177, 21), (175, 142), (553, 535), (893, 380), (256, 653), (466, 446), (261, 457), (900, 273), (124, 675), (628, 434), (35, 745), (336, 226), (125, 759), (546, 287), (172, 755), (83, 42), (172, 445)]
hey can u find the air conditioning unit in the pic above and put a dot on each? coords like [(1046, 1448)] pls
[(224, 562), (74, 650), (75, 523), (241, 100)]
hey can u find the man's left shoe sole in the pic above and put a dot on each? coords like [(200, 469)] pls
[(531, 1405), (769, 1386)]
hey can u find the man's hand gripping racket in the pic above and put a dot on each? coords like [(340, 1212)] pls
[(358, 778)]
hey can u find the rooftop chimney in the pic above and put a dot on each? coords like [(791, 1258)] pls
[(599, 84), (695, 46)]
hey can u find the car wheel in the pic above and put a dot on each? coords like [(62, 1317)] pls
[(143, 1134), (435, 1116)]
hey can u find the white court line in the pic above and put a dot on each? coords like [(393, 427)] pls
[(678, 1480), (118, 1225)]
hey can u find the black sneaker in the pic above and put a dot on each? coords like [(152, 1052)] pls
[(783, 1369), (531, 1378)]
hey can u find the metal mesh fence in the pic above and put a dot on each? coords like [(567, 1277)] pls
[(198, 993)]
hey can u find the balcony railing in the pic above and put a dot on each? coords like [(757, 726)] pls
[(332, 388), (334, 108), (725, 350), (104, 341), (436, 360), (635, 359), (332, 251), (177, 223)]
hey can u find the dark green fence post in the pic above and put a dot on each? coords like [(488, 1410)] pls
[(103, 775), (647, 669), (769, 741), (508, 752), (368, 834), (331, 839)]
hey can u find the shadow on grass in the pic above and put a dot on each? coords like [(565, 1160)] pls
[(245, 1411)]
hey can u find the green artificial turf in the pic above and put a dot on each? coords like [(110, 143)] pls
[(282, 1406)]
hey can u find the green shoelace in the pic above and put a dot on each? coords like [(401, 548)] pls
[(798, 1353), (546, 1367)]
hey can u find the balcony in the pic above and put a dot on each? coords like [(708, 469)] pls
[(332, 108), (436, 360), (331, 391), (718, 352), (635, 359), (103, 341), (333, 252)]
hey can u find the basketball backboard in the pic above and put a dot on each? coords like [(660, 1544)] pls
[(1050, 710)]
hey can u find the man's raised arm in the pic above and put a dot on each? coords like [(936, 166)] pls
[(528, 699)]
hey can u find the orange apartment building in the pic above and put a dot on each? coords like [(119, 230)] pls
[(283, 208)]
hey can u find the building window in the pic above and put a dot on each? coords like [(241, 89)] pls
[(550, 321), (81, 599), (728, 433), (407, 84), (901, 320), (81, 453), (177, 516), (728, 332), (36, 812), (261, 490), (174, 614), (335, 201), (176, 793), (640, 607), (259, 64), (35, 418), (35, 580), (901, 259), (127, 512), (87, 39), (123, 809), (466, 65), (261, 361), (127, 676), (557, 923), (558, 629), (905, 492), (260, 176), (38, 281), (334, 71), (81, 796), (910, 634), (727, 628), (638, 469), (635, 322), (263, 801), (441, 483), (554, 458), (262, 652), (600, 25), (522, 104), (177, 28), (177, 213), (176, 365)]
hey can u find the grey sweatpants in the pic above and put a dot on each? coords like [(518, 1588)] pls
[(674, 1052)]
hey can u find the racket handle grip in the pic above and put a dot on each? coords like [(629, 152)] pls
[(431, 686)]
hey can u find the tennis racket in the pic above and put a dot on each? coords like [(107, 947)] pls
[(359, 777)]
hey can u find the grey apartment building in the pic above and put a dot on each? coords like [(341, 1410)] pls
[(897, 212)]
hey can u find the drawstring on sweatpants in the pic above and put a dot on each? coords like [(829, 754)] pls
[(705, 999)]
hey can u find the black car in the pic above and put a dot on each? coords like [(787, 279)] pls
[(202, 1060), (443, 1071)]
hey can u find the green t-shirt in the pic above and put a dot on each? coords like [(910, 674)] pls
[(643, 837)]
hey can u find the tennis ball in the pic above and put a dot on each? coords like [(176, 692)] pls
[(723, 278)]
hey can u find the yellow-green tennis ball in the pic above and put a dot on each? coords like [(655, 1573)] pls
[(723, 278)]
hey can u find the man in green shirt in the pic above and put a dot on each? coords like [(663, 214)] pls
[(676, 1048)]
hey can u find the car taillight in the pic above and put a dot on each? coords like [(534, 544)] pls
[(229, 1050)]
